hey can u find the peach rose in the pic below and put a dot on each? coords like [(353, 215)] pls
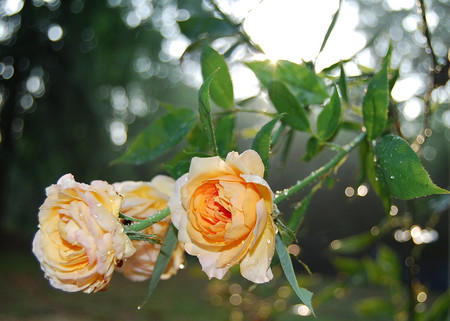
[(142, 200), (222, 210), (80, 238)]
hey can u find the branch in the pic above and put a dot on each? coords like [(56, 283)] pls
[(282, 195)]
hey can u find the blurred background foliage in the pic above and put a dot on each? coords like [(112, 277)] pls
[(79, 79)]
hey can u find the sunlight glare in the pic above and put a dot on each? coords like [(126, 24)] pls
[(294, 30)]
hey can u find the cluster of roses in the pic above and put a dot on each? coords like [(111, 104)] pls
[(221, 209)]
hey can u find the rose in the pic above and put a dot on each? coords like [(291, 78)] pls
[(142, 200), (222, 210), (80, 238)]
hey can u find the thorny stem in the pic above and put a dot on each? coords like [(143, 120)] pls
[(281, 196), (151, 220)]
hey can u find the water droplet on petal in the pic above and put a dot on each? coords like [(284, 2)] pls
[(268, 241)]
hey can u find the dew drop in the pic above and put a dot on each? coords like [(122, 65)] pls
[(268, 241), (392, 177), (139, 307)]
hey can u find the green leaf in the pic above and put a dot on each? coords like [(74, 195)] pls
[(167, 248), (197, 139), (299, 213), (285, 102), (313, 147), (178, 169), (261, 143), (307, 87), (440, 310), (224, 130), (376, 307), (330, 28), (342, 83), (354, 244), (375, 105), (197, 25), (349, 266), (160, 136), (329, 119), (304, 295), (368, 170), (221, 88), (400, 170), (204, 108), (389, 263)]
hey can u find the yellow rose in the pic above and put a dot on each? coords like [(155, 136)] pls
[(80, 238), (222, 210), (142, 200)]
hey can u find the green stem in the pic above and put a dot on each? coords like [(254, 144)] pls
[(281, 196), (151, 220)]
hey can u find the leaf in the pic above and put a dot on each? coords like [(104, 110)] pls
[(221, 88), (313, 147), (197, 139), (261, 143), (400, 170), (330, 28), (354, 244), (376, 307), (299, 212), (368, 171), (224, 134), (204, 108), (178, 169), (197, 25), (285, 102), (440, 310), (342, 83), (304, 295), (329, 119), (169, 244), (307, 87), (160, 136), (375, 105)]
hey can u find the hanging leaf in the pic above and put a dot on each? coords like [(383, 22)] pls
[(342, 83), (261, 143), (329, 119), (221, 87), (204, 107), (304, 295), (224, 137), (306, 86), (313, 147), (160, 136), (285, 102), (375, 105), (299, 213), (400, 170), (167, 248)]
